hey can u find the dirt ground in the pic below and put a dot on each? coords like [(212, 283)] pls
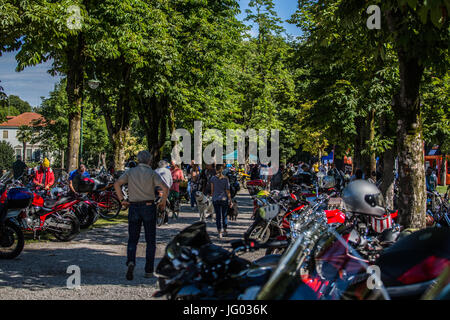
[(40, 272)]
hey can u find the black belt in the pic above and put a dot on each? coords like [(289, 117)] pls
[(148, 202)]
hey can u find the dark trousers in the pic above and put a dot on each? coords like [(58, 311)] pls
[(139, 214), (221, 209)]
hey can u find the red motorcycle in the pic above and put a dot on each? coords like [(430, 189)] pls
[(54, 216)]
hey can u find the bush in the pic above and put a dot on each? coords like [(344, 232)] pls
[(6, 155)]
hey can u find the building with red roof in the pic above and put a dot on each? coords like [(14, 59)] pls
[(9, 129)]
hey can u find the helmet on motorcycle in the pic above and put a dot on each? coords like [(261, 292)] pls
[(263, 193), (328, 182), (363, 197)]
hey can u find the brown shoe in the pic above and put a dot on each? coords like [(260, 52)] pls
[(220, 235)]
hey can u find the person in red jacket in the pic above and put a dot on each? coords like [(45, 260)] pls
[(44, 176)]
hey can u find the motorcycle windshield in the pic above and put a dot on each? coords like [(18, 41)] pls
[(194, 236)]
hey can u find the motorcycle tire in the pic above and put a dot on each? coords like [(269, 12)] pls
[(9, 235), (113, 207), (75, 228), (86, 216)]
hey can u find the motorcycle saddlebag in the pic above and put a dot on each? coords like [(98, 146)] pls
[(19, 198), (82, 184)]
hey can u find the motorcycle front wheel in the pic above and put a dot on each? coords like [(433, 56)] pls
[(67, 235), (256, 232), (11, 240)]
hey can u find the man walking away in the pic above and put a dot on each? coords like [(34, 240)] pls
[(142, 181), (19, 168)]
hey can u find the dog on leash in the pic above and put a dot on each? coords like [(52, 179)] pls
[(204, 205), (233, 211)]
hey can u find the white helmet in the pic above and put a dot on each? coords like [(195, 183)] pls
[(363, 197)]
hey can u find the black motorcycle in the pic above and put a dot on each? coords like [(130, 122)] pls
[(195, 269)]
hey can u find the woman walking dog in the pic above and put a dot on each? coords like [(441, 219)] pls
[(221, 197)]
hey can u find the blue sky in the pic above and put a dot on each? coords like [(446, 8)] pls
[(34, 82)]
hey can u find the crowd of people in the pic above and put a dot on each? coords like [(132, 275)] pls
[(144, 183)]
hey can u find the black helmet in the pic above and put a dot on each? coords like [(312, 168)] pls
[(363, 197)]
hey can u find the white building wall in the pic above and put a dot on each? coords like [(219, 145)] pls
[(12, 137), (15, 143)]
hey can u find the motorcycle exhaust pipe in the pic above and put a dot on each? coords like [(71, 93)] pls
[(58, 226)]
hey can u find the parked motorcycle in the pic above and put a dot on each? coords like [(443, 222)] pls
[(11, 235), (54, 216), (194, 269)]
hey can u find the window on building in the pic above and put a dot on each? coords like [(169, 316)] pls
[(18, 152), (5, 134), (29, 153), (37, 155)]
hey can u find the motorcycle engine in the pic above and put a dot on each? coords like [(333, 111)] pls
[(32, 220)]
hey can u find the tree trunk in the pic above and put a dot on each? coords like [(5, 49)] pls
[(74, 141), (119, 154), (412, 192), (372, 165), (117, 130), (387, 184), (444, 170), (74, 91), (359, 144), (24, 145), (154, 114), (62, 158)]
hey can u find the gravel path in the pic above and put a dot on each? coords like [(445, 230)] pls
[(40, 272)]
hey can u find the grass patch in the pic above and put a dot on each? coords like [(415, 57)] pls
[(121, 218), (44, 237)]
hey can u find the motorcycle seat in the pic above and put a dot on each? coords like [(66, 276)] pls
[(419, 257), (51, 203)]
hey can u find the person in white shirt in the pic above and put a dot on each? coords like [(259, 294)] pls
[(164, 173)]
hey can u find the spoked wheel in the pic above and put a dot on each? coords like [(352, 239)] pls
[(11, 240), (71, 227), (109, 206)]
